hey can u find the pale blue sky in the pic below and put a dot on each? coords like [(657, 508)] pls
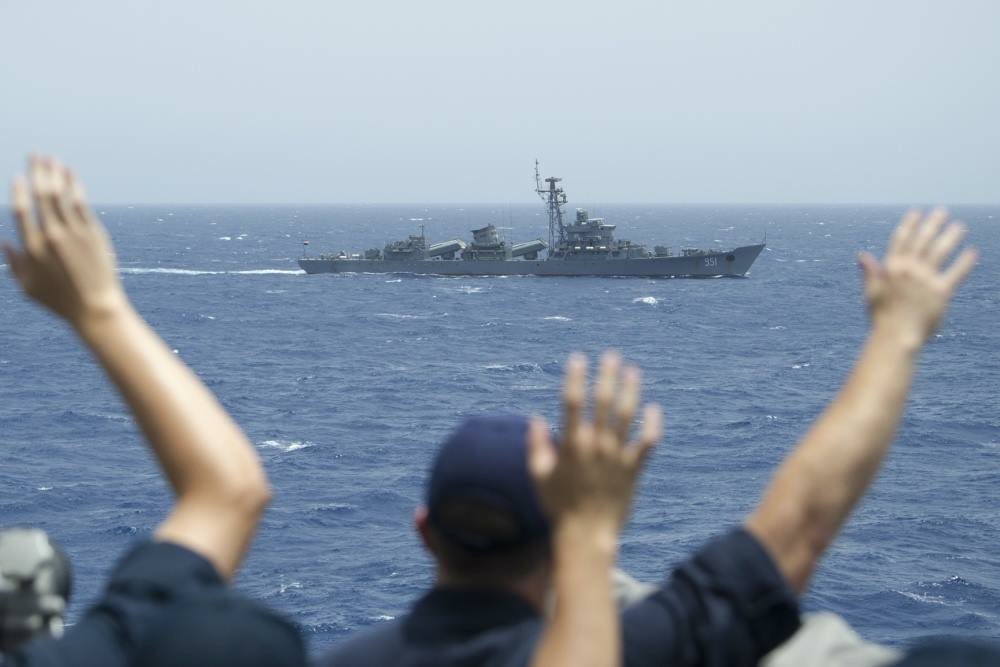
[(447, 101)]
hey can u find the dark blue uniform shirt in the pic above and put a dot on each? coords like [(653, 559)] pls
[(727, 605), (144, 583)]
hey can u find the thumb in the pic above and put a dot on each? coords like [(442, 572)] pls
[(871, 270), (14, 261), (541, 453)]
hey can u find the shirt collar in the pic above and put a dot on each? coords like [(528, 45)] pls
[(454, 613)]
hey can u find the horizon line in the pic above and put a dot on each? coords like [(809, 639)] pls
[(523, 204)]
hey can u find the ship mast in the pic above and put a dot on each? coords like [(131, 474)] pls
[(555, 199)]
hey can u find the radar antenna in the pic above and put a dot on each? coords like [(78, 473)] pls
[(555, 199)]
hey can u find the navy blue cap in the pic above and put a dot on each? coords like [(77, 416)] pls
[(483, 463)]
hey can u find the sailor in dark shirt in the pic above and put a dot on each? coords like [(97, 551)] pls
[(158, 589), (166, 605), (728, 604), (735, 599)]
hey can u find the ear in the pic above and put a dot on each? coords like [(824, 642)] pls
[(422, 526)]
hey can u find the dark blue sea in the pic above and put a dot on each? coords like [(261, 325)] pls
[(347, 383)]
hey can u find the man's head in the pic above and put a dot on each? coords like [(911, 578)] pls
[(483, 521), (35, 584)]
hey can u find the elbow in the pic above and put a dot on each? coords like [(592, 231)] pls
[(247, 495), (255, 494)]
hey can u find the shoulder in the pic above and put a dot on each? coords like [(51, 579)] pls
[(381, 644), (394, 643), (144, 583), (163, 567), (728, 603)]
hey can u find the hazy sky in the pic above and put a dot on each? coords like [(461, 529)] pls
[(451, 101)]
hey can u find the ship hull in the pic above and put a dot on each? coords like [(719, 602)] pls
[(733, 263)]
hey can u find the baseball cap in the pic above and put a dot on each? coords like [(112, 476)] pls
[(483, 464)]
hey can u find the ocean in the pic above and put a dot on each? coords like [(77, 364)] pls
[(347, 383)]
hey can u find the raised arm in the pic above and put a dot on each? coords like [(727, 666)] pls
[(67, 264), (586, 487), (819, 483)]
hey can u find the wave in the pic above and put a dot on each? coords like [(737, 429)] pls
[(558, 318), (923, 597), (651, 300), (197, 272), (523, 367), (286, 446)]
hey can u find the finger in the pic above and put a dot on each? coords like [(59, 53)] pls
[(628, 401), (946, 243), (41, 191), (604, 391), (27, 228), (574, 386), (14, 261), (62, 195), (652, 431), (902, 237), (960, 268), (870, 268), (541, 452), (928, 231), (79, 198)]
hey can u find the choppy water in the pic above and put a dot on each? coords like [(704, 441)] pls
[(347, 383)]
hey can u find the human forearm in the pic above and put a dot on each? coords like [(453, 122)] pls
[(814, 490), (67, 264), (586, 488), (583, 630), (208, 461), (198, 445), (820, 482)]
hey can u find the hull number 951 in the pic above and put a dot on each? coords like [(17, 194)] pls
[(711, 261)]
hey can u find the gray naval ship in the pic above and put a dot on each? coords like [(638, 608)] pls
[(585, 247)]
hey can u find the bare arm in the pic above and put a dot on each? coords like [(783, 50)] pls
[(67, 265), (586, 488), (819, 483)]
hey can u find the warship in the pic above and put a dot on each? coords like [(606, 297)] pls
[(584, 247)]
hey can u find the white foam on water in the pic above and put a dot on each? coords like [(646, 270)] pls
[(401, 316), (651, 300), (175, 272), (45, 488), (384, 617), (558, 318), (293, 585), (225, 238), (397, 280), (924, 597), (524, 366), (286, 446), (267, 272), (197, 272), (797, 366)]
